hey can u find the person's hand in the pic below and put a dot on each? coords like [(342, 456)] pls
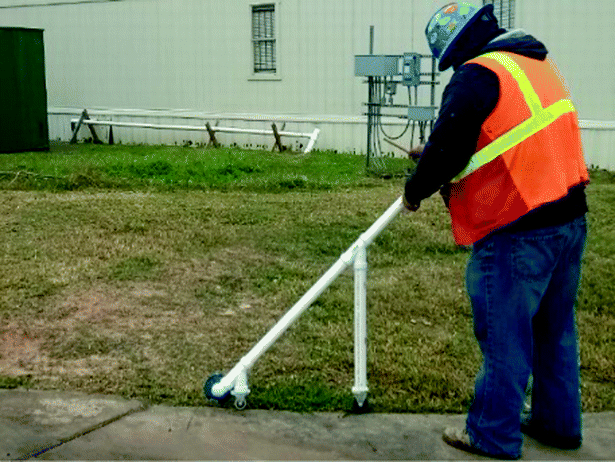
[(411, 207), (416, 152)]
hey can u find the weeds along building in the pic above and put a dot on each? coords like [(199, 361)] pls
[(241, 63)]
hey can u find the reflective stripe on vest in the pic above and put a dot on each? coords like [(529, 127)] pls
[(540, 118)]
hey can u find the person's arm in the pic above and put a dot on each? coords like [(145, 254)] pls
[(468, 99)]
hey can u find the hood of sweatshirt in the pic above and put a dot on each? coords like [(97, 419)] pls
[(481, 41), (519, 42)]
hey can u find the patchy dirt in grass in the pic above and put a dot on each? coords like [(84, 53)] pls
[(19, 350), (110, 329), (29, 350), (97, 305)]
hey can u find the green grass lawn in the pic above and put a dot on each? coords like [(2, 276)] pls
[(166, 168), (140, 271)]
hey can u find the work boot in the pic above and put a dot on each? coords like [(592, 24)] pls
[(549, 438), (460, 439)]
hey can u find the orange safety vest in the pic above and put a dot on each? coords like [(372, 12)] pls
[(528, 154)]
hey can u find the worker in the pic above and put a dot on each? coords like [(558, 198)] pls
[(506, 154)]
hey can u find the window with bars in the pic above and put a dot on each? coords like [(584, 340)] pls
[(505, 12), (263, 38)]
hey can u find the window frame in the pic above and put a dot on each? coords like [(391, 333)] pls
[(504, 5), (265, 75)]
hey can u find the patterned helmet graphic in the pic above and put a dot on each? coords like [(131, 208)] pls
[(447, 24)]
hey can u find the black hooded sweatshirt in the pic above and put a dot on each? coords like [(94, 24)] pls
[(468, 99)]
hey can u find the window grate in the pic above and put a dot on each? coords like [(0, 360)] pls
[(263, 38), (505, 12)]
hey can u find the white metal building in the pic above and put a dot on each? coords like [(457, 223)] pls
[(250, 62)]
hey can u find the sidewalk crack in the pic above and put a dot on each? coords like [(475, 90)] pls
[(38, 452)]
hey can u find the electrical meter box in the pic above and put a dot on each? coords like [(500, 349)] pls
[(376, 65), (411, 72), (23, 94)]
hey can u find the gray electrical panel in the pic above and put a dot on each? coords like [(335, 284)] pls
[(411, 70), (384, 74), (376, 65), (421, 113), (407, 65)]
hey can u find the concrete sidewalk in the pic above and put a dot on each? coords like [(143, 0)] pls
[(52, 425)]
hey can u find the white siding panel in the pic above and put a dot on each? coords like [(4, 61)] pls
[(168, 58), (15, 3), (599, 146), (581, 38), (176, 54)]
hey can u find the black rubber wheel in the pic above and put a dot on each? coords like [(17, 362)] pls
[(209, 384)]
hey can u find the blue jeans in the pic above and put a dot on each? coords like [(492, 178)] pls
[(523, 287)]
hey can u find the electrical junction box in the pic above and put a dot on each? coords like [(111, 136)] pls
[(376, 65), (422, 113), (411, 72)]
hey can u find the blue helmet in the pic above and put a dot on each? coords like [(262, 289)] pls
[(447, 24)]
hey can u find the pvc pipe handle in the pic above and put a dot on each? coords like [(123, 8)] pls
[(308, 298)]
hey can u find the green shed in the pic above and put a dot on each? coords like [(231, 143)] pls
[(23, 94)]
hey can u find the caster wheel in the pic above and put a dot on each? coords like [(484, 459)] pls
[(208, 386), (364, 409)]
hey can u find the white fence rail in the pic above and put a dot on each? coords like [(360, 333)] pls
[(343, 133), (76, 124)]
